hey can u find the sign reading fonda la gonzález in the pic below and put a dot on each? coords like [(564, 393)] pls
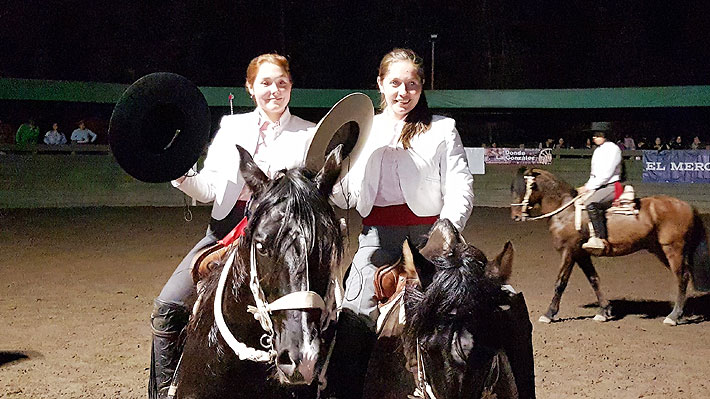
[(676, 166), (519, 156)]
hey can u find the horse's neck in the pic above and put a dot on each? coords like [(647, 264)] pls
[(551, 203)]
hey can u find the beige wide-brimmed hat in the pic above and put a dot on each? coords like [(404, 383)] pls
[(349, 123)]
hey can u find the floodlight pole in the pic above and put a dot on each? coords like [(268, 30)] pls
[(433, 37)]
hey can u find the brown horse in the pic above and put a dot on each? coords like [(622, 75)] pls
[(665, 226)]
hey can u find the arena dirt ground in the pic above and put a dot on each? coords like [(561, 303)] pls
[(77, 287)]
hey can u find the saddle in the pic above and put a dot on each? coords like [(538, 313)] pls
[(206, 259), (624, 204), (390, 282)]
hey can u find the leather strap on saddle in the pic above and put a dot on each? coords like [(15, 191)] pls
[(208, 257)]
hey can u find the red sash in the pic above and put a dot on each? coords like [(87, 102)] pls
[(396, 215)]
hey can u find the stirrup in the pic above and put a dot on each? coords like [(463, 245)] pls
[(595, 243), (417, 394)]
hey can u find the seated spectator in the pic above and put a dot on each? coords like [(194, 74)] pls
[(561, 143), (641, 145), (629, 143), (27, 133), (82, 135), (549, 143), (6, 133), (676, 144), (54, 137), (658, 145), (696, 145)]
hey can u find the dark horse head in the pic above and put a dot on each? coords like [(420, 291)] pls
[(282, 275), (453, 317), (298, 243)]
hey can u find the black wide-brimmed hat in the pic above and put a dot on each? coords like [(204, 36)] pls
[(602, 127), (159, 127), (349, 123)]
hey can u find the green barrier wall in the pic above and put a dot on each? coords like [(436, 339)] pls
[(623, 97), (89, 176)]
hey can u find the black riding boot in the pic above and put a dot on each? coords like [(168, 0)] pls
[(598, 218), (347, 368), (167, 320)]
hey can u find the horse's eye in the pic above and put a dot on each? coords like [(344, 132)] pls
[(260, 248)]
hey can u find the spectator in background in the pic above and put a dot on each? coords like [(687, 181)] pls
[(658, 145), (696, 145), (676, 144), (82, 135), (6, 133), (588, 144), (549, 143), (54, 137), (629, 143), (560, 143), (641, 145), (27, 133)]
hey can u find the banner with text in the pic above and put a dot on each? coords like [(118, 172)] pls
[(676, 166), (519, 156)]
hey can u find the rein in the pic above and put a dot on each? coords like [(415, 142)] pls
[(529, 180), (262, 311)]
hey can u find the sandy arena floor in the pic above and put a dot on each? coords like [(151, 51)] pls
[(78, 284)]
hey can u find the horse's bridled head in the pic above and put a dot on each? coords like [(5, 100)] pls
[(295, 242)]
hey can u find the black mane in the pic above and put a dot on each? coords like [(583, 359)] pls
[(305, 210), (460, 296)]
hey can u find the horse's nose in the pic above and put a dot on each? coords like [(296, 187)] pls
[(286, 363), (295, 367)]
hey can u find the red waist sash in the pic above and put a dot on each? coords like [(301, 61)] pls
[(396, 215), (238, 230)]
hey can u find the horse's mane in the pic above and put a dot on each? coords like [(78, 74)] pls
[(304, 210), (460, 296), (546, 181)]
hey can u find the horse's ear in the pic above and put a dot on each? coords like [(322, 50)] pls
[(328, 175), (254, 178), (417, 265), (443, 237), (502, 266)]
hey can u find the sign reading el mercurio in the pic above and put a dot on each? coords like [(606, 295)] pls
[(518, 156), (676, 166)]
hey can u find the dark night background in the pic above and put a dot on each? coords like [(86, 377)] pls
[(338, 44)]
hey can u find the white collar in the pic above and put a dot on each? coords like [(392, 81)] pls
[(278, 126)]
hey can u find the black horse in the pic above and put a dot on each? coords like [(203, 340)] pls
[(469, 337), (263, 326)]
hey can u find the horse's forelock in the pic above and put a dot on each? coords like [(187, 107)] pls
[(303, 211), (459, 291)]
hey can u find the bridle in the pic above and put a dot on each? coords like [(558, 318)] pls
[(525, 203), (262, 311), (529, 181)]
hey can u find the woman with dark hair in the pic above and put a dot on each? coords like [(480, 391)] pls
[(411, 172), (276, 140)]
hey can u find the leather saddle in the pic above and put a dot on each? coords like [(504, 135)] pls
[(206, 259)]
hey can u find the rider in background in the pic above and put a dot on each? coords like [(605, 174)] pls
[(604, 181), (277, 140), (413, 172)]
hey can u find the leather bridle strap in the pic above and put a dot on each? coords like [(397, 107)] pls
[(240, 349), (529, 180)]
